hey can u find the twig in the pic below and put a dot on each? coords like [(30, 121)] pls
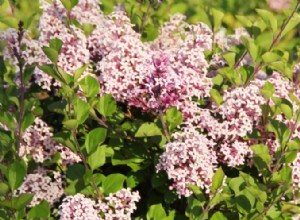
[(167, 134), (144, 19), (274, 42), (18, 55), (85, 164)]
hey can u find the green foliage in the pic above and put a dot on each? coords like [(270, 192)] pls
[(52, 52), (148, 130), (94, 138), (107, 106), (217, 180), (89, 85), (15, 174), (69, 4), (97, 158), (156, 212), (173, 118), (40, 211), (113, 183)]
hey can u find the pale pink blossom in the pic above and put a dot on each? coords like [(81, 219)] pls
[(38, 144), (279, 5), (44, 185), (78, 207), (189, 160), (119, 205)]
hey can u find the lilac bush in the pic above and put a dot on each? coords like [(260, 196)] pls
[(102, 120)]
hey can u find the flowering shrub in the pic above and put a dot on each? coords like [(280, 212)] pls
[(128, 113)]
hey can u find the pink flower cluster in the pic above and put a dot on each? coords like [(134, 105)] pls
[(117, 206), (42, 186), (153, 75), (78, 207), (279, 5), (189, 160), (39, 145)]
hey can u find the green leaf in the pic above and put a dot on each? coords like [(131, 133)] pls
[(7, 203), (88, 28), (41, 211), (10, 21), (21, 201), (71, 124), (251, 47), (218, 80), (281, 131), (218, 198), (51, 53), (3, 188), (173, 118), (282, 67), (150, 32), (156, 212), (78, 72), (66, 139), (180, 7), (217, 19), (287, 110), (107, 105), (217, 180), (268, 90), (134, 179), (262, 151), (218, 216), (90, 86), (67, 78), (230, 58), (245, 21), (4, 170), (285, 106), (243, 204), (6, 142), (69, 4), (268, 18), (194, 208), (82, 111), (295, 20), (113, 183), (294, 145), (75, 187), (198, 194), (270, 57), (289, 157), (294, 98), (7, 119), (75, 172), (291, 207), (50, 70), (97, 158), (283, 176), (56, 44), (246, 72), (16, 173), (257, 193), (28, 120), (147, 130), (216, 96), (94, 138)]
